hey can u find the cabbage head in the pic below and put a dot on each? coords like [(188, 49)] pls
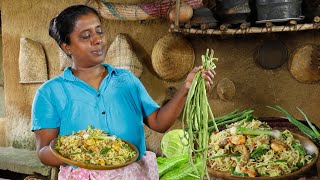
[(174, 143)]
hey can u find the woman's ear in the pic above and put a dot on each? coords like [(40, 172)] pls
[(66, 48)]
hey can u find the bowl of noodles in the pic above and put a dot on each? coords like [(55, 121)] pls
[(94, 149), (243, 156)]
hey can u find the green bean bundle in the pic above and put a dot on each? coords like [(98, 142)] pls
[(196, 115)]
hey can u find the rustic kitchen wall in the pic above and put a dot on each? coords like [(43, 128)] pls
[(2, 106), (255, 87)]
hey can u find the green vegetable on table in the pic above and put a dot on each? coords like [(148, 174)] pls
[(182, 172), (172, 163), (174, 142)]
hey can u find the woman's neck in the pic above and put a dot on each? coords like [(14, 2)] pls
[(91, 75)]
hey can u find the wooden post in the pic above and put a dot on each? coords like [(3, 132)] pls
[(177, 13)]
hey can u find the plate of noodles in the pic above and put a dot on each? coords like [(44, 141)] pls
[(94, 149), (282, 153)]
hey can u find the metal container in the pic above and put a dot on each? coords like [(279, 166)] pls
[(278, 10), (227, 4), (235, 15), (311, 8)]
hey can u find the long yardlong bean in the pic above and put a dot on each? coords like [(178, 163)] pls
[(196, 115)]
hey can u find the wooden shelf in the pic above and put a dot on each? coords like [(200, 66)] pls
[(224, 30), (244, 28)]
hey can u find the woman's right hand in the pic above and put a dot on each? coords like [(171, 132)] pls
[(43, 139)]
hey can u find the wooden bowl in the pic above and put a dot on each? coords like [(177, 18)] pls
[(92, 166), (310, 148)]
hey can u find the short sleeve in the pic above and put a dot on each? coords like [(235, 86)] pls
[(43, 114), (148, 105)]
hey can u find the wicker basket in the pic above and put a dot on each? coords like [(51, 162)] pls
[(138, 11), (121, 55), (32, 62), (64, 60), (172, 57), (304, 64)]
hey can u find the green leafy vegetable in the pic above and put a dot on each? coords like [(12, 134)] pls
[(174, 143), (172, 163)]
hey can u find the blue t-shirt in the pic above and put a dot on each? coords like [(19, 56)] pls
[(118, 107)]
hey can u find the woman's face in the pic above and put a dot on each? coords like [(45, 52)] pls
[(87, 41)]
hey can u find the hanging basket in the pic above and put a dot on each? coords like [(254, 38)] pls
[(172, 57), (304, 64), (32, 62), (140, 11), (121, 55)]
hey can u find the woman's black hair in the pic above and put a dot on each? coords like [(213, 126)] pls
[(62, 25)]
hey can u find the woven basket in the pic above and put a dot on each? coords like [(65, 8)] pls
[(121, 55), (304, 64), (172, 57), (139, 11), (32, 62), (64, 60)]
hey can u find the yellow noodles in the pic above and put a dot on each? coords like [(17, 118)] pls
[(93, 146), (230, 153)]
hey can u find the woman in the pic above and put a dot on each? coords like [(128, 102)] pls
[(91, 93)]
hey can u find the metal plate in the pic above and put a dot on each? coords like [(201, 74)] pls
[(280, 20), (272, 54)]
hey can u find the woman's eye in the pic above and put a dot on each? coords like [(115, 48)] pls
[(85, 36), (99, 31)]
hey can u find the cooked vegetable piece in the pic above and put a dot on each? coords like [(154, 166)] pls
[(223, 155), (248, 131), (299, 148), (259, 151), (271, 163)]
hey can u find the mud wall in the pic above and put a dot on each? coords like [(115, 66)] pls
[(255, 87)]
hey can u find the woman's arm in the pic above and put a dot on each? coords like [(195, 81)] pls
[(43, 139), (162, 119)]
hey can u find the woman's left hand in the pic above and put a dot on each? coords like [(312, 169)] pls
[(208, 75)]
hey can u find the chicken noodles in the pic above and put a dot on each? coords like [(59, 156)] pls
[(94, 146), (256, 155)]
